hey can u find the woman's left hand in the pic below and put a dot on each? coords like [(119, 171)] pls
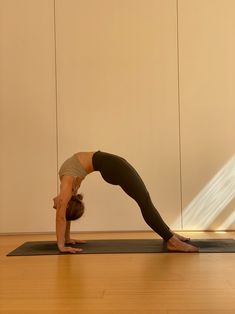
[(74, 241)]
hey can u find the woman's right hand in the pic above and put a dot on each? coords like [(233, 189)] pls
[(69, 249)]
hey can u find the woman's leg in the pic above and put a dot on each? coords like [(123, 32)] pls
[(116, 170)]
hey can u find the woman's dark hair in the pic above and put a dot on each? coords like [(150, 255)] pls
[(75, 208)]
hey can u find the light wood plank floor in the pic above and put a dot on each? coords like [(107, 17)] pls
[(166, 283)]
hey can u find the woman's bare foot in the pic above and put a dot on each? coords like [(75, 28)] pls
[(180, 237), (176, 245)]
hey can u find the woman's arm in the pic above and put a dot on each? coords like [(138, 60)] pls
[(67, 232), (61, 203), (68, 240)]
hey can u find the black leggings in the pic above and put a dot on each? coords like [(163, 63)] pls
[(116, 170)]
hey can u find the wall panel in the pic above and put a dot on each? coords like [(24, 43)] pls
[(117, 92), (27, 116), (207, 74)]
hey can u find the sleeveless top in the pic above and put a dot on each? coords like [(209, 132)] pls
[(72, 167)]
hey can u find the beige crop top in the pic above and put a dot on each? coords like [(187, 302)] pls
[(72, 167)]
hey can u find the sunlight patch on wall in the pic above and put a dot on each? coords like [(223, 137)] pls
[(227, 223), (212, 200)]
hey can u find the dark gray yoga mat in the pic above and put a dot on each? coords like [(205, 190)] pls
[(123, 246)]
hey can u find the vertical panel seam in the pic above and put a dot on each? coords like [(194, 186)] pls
[(179, 112), (56, 94)]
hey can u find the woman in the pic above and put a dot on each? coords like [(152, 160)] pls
[(114, 170)]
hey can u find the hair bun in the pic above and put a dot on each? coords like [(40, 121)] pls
[(78, 197)]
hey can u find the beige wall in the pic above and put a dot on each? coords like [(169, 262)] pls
[(207, 74), (27, 116), (117, 72), (117, 76)]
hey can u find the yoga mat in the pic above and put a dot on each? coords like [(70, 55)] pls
[(122, 246)]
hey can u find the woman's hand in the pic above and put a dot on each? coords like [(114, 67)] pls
[(74, 241), (68, 249)]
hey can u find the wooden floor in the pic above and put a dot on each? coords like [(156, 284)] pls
[(166, 283)]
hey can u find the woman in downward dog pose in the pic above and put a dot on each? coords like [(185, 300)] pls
[(114, 170)]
